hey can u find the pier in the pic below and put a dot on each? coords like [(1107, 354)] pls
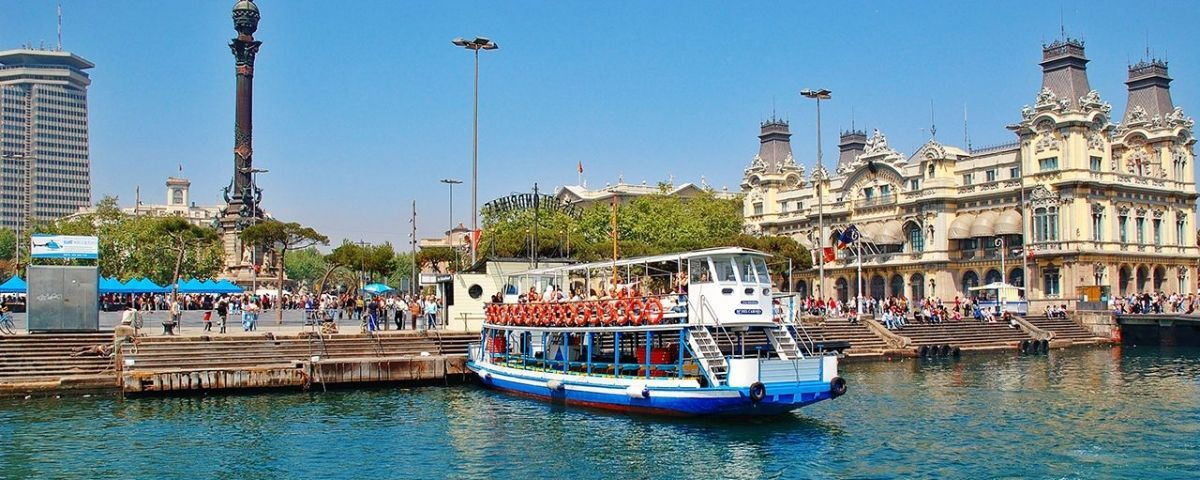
[(296, 358)]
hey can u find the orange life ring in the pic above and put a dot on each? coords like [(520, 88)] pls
[(522, 314), (545, 315), (509, 313), (493, 313), (560, 315), (619, 309), (572, 314), (635, 311), (655, 306), (579, 312), (587, 308)]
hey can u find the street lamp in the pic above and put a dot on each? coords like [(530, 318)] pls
[(479, 43), (450, 182), (23, 220), (818, 95)]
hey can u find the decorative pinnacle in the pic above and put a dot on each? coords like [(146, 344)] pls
[(245, 17)]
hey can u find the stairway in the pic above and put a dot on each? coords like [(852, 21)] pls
[(862, 340), (1065, 329), (709, 355), (27, 359), (966, 333), (785, 345)]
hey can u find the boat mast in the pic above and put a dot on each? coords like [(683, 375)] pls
[(614, 240)]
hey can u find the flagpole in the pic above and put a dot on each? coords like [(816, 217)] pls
[(859, 299)]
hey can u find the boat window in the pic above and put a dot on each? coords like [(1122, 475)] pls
[(764, 275), (726, 270), (747, 267), (700, 273)]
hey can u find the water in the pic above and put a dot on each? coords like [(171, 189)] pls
[(1082, 413)]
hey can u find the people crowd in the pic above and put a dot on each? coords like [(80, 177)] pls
[(1156, 302)]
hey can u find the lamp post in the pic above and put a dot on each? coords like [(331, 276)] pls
[(450, 234), (23, 220), (479, 43), (818, 95), (1000, 245)]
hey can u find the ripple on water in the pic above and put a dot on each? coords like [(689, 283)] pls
[(1085, 413)]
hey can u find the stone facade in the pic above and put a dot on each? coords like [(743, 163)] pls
[(1077, 200)]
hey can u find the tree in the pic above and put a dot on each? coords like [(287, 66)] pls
[(402, 270), (342, 257), (183, 236), (8, 243), (305, 266), (280, 237)]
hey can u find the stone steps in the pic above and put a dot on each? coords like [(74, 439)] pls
[(962, 333), (25, 358), (1064, 329)]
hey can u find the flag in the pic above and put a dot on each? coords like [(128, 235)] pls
[(830, 254), (581, 167), (848, 236)]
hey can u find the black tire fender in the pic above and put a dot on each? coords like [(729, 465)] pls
[(758, 391), (837, 387)]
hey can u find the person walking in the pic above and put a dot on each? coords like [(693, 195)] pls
[(431, 310), (176, 313), (414, 311), (208, 320), (372, 315)]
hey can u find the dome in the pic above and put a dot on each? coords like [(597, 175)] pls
[(245, 5)]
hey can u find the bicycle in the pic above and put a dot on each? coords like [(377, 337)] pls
[(6, 324)]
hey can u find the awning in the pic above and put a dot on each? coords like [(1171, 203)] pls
[(891, 233), (13, 285), (960, 228), (982, 226), (1009, 223), (868, 231)]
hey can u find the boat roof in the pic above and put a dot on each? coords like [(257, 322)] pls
[(648, 259)]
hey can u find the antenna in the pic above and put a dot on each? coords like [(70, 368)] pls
[(966, 136), (1062, 28), (852, 118), (932, 123), (1147, 44), (60, 25)]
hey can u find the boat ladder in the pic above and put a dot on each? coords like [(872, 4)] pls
[(785, 345), (709, 354)]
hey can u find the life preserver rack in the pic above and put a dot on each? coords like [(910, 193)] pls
[(619, 312)]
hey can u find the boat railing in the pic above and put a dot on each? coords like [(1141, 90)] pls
[(788, 319), (629, 311), (707, 307)]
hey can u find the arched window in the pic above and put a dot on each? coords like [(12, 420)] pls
[(897, 286), (969, 279), (877, 287), (916, 240), (177, 196), (918, 286), (930, 169), (1016, 278), (991, 277), (843, 290)]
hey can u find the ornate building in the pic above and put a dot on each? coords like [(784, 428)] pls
[(1076, 201)]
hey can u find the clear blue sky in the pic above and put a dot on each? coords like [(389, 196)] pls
[(360, 107)]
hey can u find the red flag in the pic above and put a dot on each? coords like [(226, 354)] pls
[(475, 238), (830, 254), (580, 167)]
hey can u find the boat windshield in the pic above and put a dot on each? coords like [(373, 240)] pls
[(764, 275), (753, 269), (726, 270)]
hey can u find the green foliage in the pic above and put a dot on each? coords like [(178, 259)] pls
[(141, 246), (305, 266), (434, 257), (402, 269), (377, 262), (647, 225), (8, 243)]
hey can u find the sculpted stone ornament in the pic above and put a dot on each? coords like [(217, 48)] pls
[(1046, 98), (1040, 196), (1137, 115), (877, 143), (1177, 119), (1026, 113)]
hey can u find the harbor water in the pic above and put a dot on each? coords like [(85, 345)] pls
[(1104, 412)]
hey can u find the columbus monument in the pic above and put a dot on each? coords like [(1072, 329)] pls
[(244, 264)]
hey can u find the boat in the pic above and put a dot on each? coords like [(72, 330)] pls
[(693, 333)]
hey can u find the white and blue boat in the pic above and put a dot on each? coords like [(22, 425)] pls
[(694, 333)]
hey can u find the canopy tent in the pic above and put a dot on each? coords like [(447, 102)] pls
[(111, 285), (377, 289), (190, 286), (226, 286), (145, 285), (13, 285)]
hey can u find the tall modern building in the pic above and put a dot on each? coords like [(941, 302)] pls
[(45, 172)]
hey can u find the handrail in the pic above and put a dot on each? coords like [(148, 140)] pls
[(893, 339), (1034, 331), (705, 305)]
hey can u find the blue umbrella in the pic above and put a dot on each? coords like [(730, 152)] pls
[(377, 288)]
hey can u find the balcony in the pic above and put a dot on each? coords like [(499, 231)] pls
[(879, 201)]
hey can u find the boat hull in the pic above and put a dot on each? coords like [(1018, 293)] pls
[(649, 397)]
